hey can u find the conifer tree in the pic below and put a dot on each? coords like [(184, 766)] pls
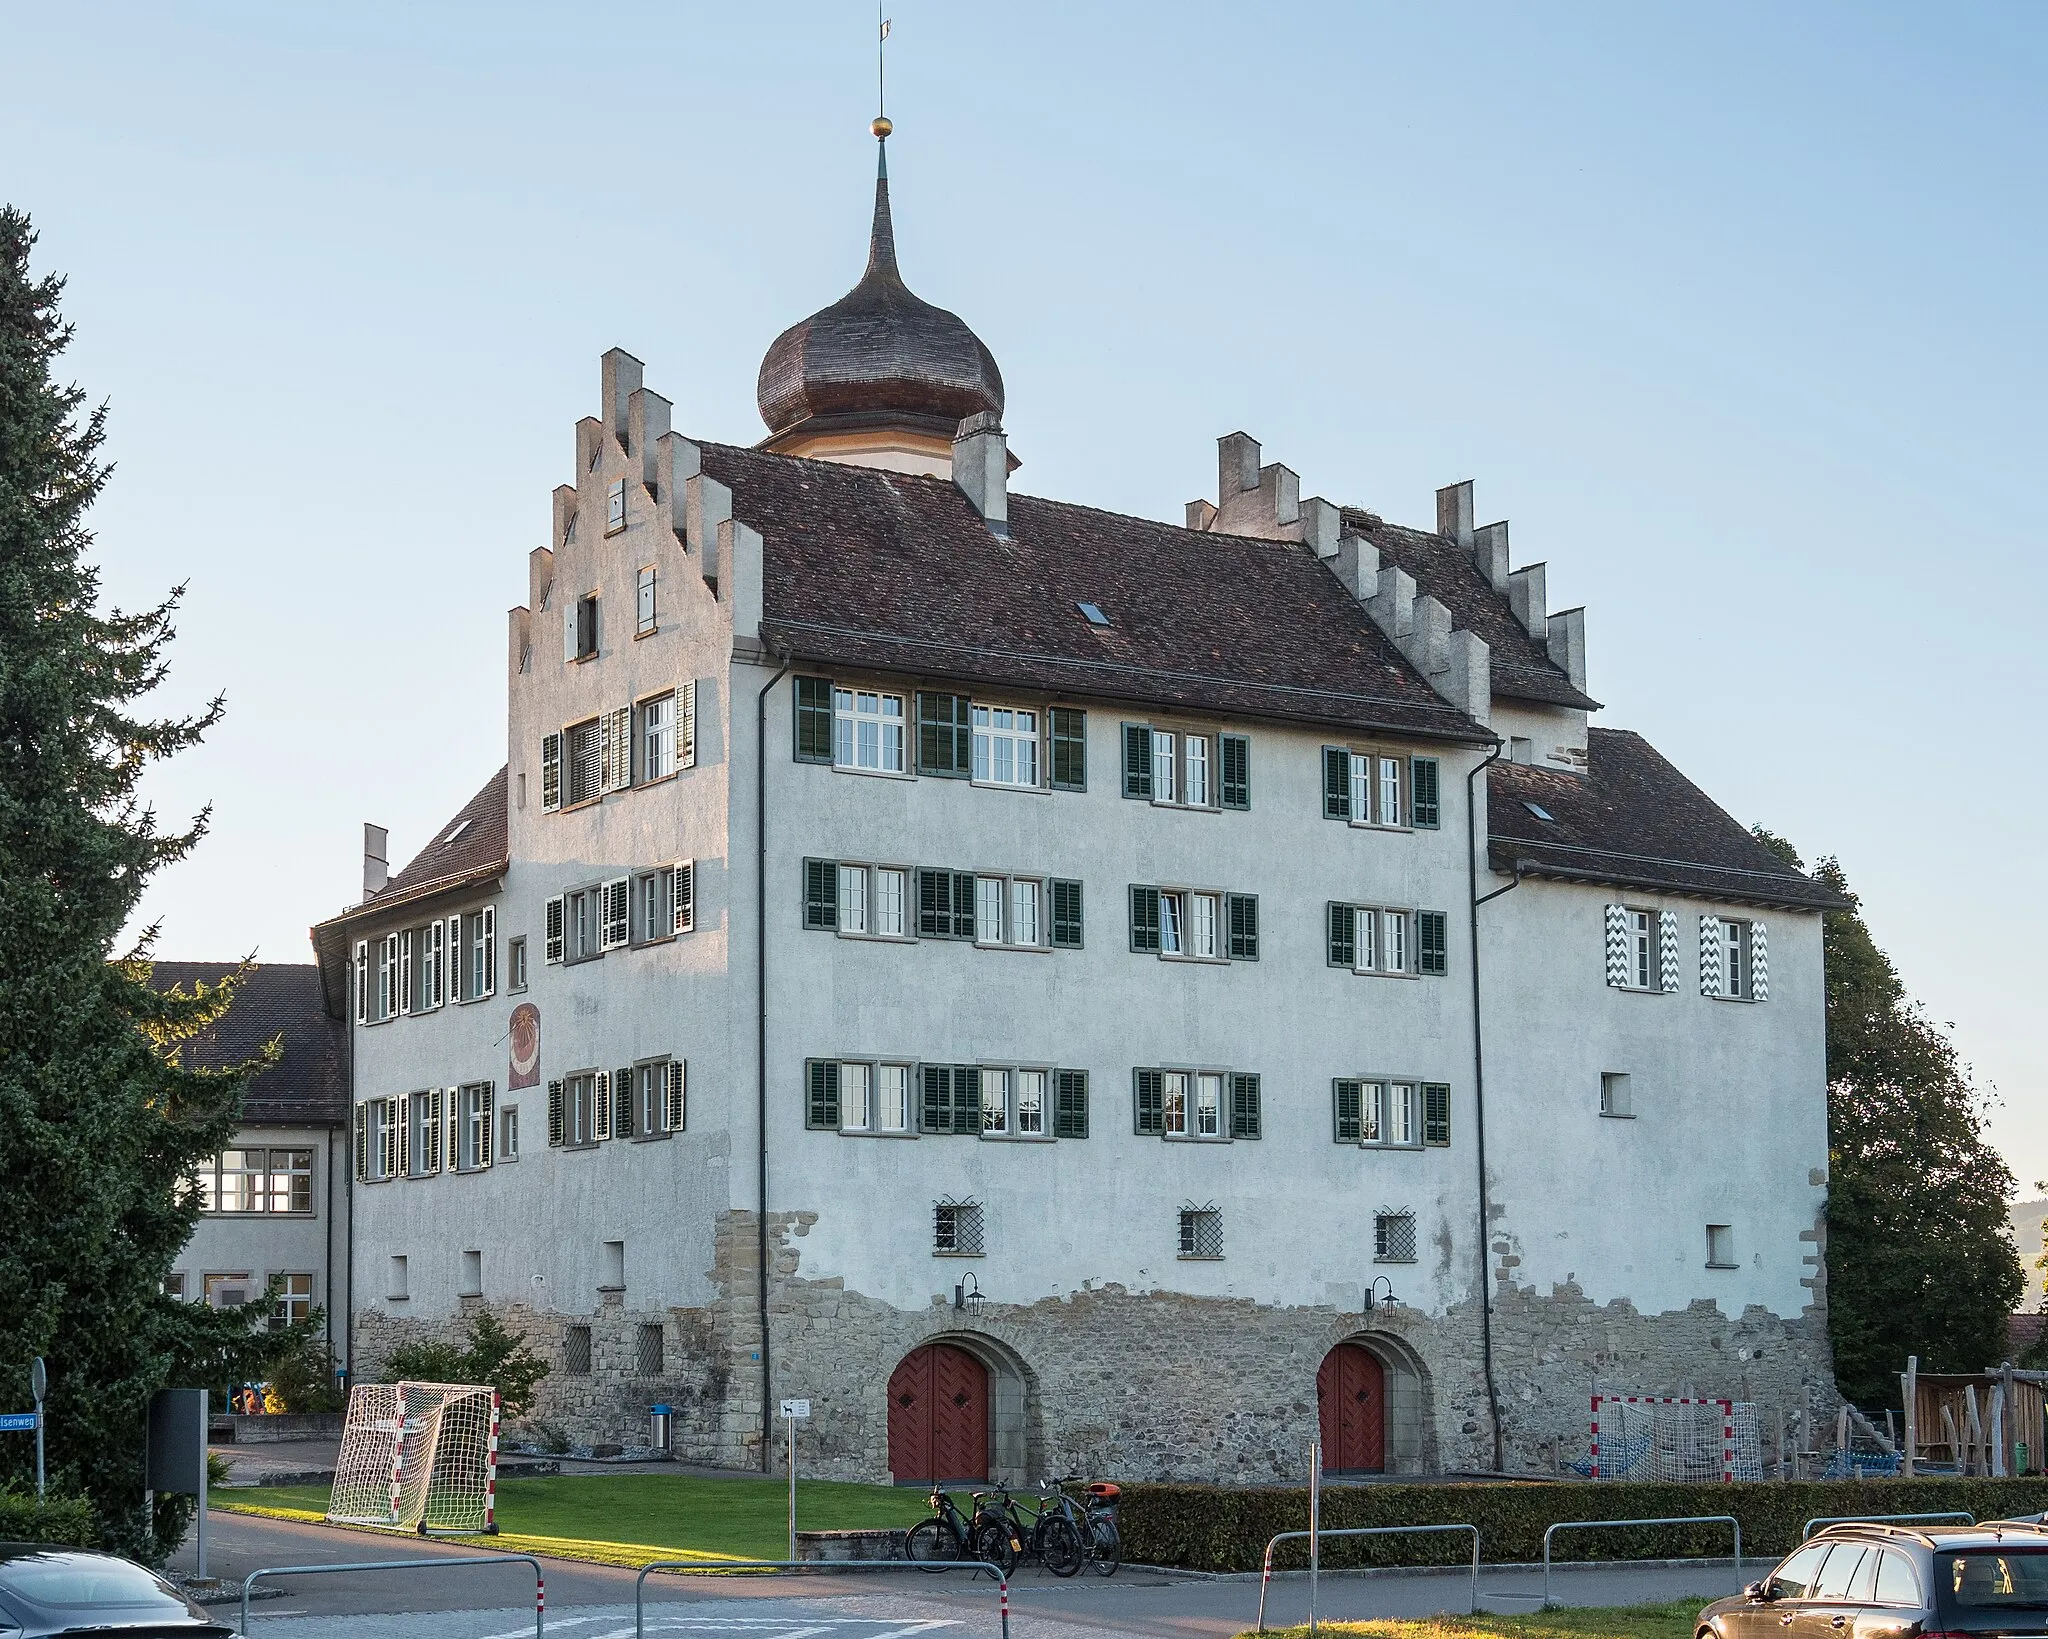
[(1919, 1257), (100, 1127)]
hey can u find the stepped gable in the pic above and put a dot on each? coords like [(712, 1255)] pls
[(897, 572), (306, 1087), (1521, 667), (1633, 821)]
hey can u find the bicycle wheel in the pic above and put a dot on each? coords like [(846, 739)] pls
[(994, 1544), (1105, 1546), (1059, 1547), (932, 1541)]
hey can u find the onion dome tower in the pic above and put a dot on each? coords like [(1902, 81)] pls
[(879, 378)]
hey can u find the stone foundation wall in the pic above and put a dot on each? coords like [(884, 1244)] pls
[(1145, 1385)]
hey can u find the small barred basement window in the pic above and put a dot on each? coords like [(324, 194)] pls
[(647, 1352), (1201, 1232), (956, 1229), (576, 1351), (1393, 1237)]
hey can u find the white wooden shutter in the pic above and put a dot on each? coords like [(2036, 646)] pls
[(552, 947), (568, 629), (436, 1103), (684, 896), (458, 963), (1759, 963), (1617, 946), (436, 987), (363, 1142), (601, 1106), (672, 1108), (550, 772), (362, 982), (490, 939), (406, 941), (686, 725), (604, 751), (615, 905), (1667, 952), (621, 737), (404, 1125), (387, 981), (487, 1128), (1710, 955), (393, 1144)]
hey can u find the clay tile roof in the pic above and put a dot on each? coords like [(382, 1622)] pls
[(880, 569), (1522, 667), (309, 1085), (1633, 821), (473, 842)]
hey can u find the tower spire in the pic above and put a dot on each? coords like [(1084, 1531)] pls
[(882, 237)]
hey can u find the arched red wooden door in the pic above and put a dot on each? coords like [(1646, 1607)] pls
[(1351, 1390), (938, 1415)]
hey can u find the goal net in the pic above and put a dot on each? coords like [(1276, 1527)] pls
[(1639, 1437), (418, 1457)]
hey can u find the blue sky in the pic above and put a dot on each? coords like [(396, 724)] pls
[(1734, 312)]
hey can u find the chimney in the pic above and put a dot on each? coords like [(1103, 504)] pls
[(376, 859), (1454, 512), (981, 469)]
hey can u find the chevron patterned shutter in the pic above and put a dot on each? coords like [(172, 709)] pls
[(553, 936), (550, 772), (556, 1125), (488, 1129), (1617, 946), (623, 1112), (363, 1143), (821, 1105), (674, 1111), (686, 729), (684, 896), (1667, 952), (1759, 964), (1070, 1104), (1345, 1098), (1710, 956), (1137, 761), (1148, 1102)]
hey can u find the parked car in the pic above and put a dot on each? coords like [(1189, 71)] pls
[(1869, 1581), (46, 1591)]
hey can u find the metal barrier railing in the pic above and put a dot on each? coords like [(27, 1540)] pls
[(1266, 1574), (540, 1586), (724, 1567), (1806, 1531), (1617, 1524)]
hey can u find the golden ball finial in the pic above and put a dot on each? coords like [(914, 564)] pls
[(881, 127)]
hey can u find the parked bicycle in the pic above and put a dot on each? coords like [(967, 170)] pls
[(1099, 1535), (1043, 1527), (982, 1534)]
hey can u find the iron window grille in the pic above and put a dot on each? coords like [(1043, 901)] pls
[(1201, 1231), (1393, 1237), (576, 1351), (647, 1352), (956, 1229)]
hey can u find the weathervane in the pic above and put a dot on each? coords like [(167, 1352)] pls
[(881, 126)]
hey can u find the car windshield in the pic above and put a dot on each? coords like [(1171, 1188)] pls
[(86, 1581), (1995, 1580)]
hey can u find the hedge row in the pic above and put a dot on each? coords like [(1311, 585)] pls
[(1205, 1528), (67, 1521)]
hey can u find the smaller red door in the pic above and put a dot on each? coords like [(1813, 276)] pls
[(938, 1415), (1351, 1396)]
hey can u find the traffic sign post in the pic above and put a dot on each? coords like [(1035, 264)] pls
[(793, 1412), (39, 1385)]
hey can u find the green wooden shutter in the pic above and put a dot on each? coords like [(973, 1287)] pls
[(821, 1109), (622, 1102), (1243, 913), (1343, 935), (966, 1098), (1432, 943), (813, 698), (934, 904), (556, 1113), (1234, 753), (821, 894), (1148, 1117), (1066, 913), (1244, 1106), (944, 738), (1436, 1113), (1425, 793), (963, 904), (935, 1114), (1336, 783), (1137, 761), (1069, 734), (1144, 918), (1345, 1100), (1070, 1104)]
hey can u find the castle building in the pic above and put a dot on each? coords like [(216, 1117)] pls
[(1065, 991)]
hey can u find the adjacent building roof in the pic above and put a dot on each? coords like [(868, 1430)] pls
[(275, 1000), (1633, 821), (1521, 665), (868, 568)]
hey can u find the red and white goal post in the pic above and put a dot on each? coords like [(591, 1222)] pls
[(419, 1457), (1674, 1438)]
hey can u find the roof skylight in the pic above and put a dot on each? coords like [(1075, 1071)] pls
[(1540, 811), (1092, 613)]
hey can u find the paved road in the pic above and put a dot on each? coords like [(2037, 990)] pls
[(595, 1601)]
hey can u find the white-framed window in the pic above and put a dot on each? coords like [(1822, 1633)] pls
[(515, 962), (1172, 922), (615, 506), (475, 1126), (294, 1300), (956, 1229), (1193, 924), (995, 1103), (988, 910), (246, 1180), (1390, 1112), (421, 1139), (856, 1097), (1186, 767), (1006, 746), (664, 902), (376, 1138), (1367, 787), (873, 1097), (1029, 1106), (1165, 766), (1196, 756), (658, 736), (643, 602), (891, 893), (1202, 918), (867, 730), (1721, 1246), (586, 1108), (508, 1133), (1009, 910), (1201, 1232), (1642, 949), (856, 899), (854, 913), (1387, 939), (657, 1094), (1024, 912)]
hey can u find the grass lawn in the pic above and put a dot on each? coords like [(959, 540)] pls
[(746, 1518), (1673, 1621)]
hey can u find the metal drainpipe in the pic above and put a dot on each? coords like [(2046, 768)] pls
[(1479, 1102), (761, 1036)]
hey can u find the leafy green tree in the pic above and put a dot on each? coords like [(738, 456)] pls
[(1920, 1260), (492, 1355), (99, 1124)]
